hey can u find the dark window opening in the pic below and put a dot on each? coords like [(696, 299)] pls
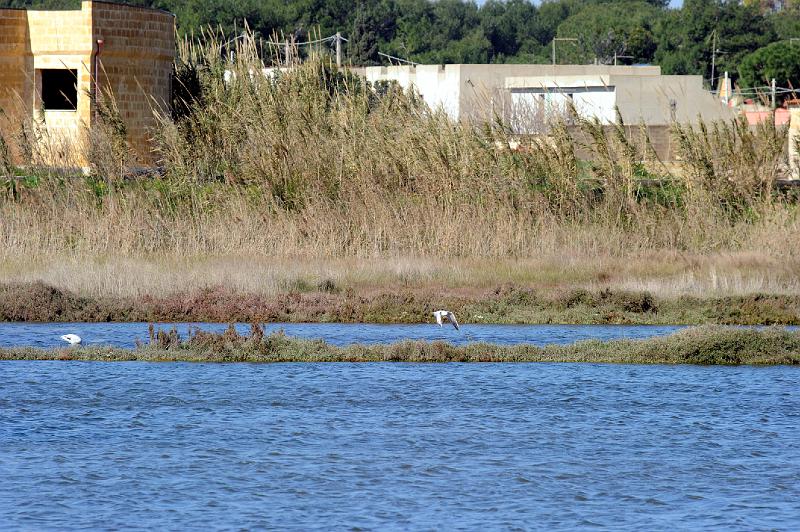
[(59, 89)]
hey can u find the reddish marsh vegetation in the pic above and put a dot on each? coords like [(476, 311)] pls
[(503, 304), (269, 186)]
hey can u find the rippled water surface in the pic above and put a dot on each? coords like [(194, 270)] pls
[(126, 334), (397, 446)]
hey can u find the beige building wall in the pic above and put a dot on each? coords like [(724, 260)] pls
[(484, 91), (15, 64), (486, 87), (128, 50), (14, 52), (663, 100), (62, 40), (794, 141), (135, 62)]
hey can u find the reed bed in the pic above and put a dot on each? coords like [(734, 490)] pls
[(310, 174)]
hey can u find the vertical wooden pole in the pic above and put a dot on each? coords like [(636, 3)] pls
[(773, 91), (338, 49)]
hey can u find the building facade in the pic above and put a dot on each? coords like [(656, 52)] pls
[(56, 65), (524, 95), (529, 97)]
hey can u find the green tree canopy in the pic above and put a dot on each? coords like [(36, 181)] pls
[(441, 31), (507, 25), (686, 38), (787, 21), (779, 61), (606, 29)]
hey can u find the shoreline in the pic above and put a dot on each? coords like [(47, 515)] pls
[(698, 346), (506, 304)]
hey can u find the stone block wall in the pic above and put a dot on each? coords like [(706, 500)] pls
[(58, 40), (659, 137), (133, 64), (15, 69)]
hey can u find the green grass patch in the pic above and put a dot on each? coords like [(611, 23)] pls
[(702, 345)]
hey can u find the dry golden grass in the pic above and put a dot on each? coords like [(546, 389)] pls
[(267, 185), (665, 274)]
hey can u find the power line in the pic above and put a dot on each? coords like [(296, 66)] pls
[(337, 38), (304, 43), (398, 59)]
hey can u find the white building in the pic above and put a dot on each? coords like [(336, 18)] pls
[(527, 95)]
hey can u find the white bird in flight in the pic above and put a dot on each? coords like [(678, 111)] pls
[(71, 339), (445, 314)]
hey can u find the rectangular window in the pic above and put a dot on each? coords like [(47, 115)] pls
[(535, 109), (59, 89)]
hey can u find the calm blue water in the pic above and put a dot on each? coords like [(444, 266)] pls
[(398, 446), (126, 334)]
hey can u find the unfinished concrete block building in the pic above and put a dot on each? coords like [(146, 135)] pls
[(527, 97), (55, 66)]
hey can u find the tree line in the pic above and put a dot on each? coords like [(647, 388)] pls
[(752, 40)]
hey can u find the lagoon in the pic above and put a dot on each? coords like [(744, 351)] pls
[(125, 335), (397, 446)]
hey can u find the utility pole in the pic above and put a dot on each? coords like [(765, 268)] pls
[(714, 52), (554, 45), (713, 55), (338, 40), (773, 91)]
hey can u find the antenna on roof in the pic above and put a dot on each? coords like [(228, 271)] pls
[(400, 59), (560, 39)]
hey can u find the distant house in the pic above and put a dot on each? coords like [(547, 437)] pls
[(755, 113), (54, 66), (528, 97), (523, 93)]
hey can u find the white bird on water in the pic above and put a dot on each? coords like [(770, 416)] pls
[(71, 339), (445, 314)]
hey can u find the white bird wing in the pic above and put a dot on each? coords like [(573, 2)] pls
[(452, 318), (71, 338)]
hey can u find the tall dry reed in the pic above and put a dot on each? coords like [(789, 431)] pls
[(314, 162)]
